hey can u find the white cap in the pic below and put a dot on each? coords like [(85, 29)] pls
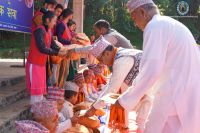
[(133, 4), (69, 85), (99, 46)]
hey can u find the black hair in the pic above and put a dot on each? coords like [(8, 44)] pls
[(109, 48), (59, 6), (48, 14), (70, 23), (53, 2), (66, 12), (102, 24), (69, 94)]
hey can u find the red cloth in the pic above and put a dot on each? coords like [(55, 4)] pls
[(35, 56), (66, 34)]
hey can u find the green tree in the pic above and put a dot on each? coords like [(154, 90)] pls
[(116, 13)]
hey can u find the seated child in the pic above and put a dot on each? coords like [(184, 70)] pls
[(56, 94), (97, 69), (106, 70), (71, 94), (83, 94), (89, 76), (91, 67), (65, 115)]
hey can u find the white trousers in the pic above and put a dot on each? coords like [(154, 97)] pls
[(36, 98), (171, 125)]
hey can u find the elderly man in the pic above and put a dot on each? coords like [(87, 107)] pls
[(102, 27), (125, 64), (46, 113), (170, 64)]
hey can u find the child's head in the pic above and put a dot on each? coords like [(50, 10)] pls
[(79, 79), (98, 70), (56, 94), (46, 113), (89, 76), (72, 25), (71, 91)]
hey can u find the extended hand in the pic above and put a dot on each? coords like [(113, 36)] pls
[(90, 112), (58, 44), (74, 119), (62, 52), (70, 53), (73, 55), (74, 40)]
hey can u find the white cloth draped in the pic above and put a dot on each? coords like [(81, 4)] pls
[(171, 65)]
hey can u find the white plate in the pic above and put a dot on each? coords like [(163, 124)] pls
[(108, 98)]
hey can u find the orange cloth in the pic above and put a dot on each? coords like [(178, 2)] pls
[(100, 80), (55, 59), (83, 39), (81, 97), (117, 117), (106, 71)]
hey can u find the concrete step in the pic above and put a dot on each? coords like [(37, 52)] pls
[(12, 131), (11, 94), (17, 111), (10, 81)]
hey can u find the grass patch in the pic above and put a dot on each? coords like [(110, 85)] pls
[(11, 53), (12, 45)]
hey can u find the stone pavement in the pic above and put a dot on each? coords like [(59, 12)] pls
[(13, 96), (7, 71)]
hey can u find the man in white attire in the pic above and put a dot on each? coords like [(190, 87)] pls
[(171, 65), (125, 68)]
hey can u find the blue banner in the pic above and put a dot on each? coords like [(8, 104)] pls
[(16, 15)]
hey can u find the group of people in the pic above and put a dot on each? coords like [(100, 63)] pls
[(160, 83)]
